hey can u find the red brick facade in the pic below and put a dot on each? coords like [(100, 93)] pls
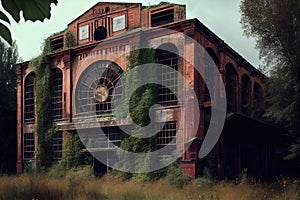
[(130, 17)]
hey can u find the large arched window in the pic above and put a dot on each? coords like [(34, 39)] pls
[(97, 87), (57, 94), (167, 77), (258, 95), (211, 62), (29, 99), (246, 90), (231, 79)]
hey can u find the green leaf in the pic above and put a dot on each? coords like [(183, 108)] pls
[(5, 33), (32, 9), (4, 17)]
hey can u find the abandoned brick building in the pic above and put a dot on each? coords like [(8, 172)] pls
[(244, 140)]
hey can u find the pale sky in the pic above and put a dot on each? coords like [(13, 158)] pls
[(222, 17)]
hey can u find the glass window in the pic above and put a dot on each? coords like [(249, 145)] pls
[(29, 99), (98, 87), (167, 76), (57, 142), (166, 135), (28, 146), (57, 94)]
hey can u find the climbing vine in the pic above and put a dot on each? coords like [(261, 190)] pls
[(69, 40), (139, 104), (74, 155), (43, 90), (156, 5)]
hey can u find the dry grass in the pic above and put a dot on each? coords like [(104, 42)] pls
[(111, 187)]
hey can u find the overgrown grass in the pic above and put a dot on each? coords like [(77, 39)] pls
[(81, 185)]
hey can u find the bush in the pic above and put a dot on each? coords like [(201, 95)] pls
[(176, 177), (59, 171), (204, 182)]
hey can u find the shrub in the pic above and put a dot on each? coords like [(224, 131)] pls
[(176, 177)]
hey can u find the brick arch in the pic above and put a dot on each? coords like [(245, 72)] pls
[(167, 46), (246, 89), (231, 84), (31, 73), (258, 94), (213, 55), (210, 60)]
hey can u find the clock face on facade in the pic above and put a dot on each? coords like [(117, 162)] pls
[(97, 87), (101, 93)]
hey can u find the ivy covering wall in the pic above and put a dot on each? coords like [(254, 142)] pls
[(43, 89), (139, 104), (41, 65)]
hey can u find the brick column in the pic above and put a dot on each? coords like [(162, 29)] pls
[(19, 164)]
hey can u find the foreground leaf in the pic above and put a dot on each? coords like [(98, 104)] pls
[(32, 10), (4, 17), (5, 33)]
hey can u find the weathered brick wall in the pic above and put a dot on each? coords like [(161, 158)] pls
[(73, 62), (97, 13)]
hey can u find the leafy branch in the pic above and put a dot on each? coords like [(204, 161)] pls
[(32, 10)]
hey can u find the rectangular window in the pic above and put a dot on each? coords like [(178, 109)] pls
[(84, 32), (57, 142), (28, 146), (96, 140), (57, 42), (166, 136), (119, 23), (57, 94), (163, 17)]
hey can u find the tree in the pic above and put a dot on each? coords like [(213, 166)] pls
[(32, 10), (8, 96), (276, 26)]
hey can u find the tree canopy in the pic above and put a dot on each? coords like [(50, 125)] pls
[(8, 96), (276, 26)]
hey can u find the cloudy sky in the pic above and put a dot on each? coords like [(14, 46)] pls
[(222, 17)]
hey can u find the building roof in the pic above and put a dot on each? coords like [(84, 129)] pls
[(102, 3)]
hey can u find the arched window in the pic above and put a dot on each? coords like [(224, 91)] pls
[(29, 99), (211, 62), (167, 77), (258, 95), (231, 79), (57, 94), (97, 87), (246, 90)]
